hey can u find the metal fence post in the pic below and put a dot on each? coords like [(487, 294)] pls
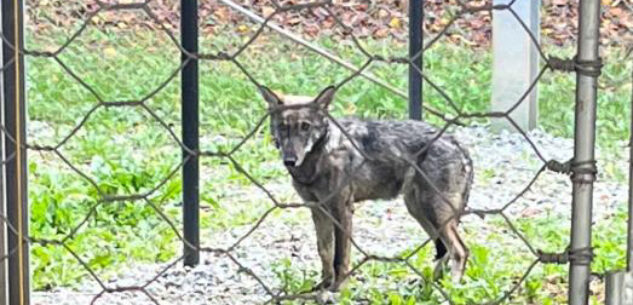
[(15, 153), (584, 165), (614, 283), (190, 171), (619, 283), (629, 248), (416, 23), (4, 277)]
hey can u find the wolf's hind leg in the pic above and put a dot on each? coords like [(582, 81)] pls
[(425, 218), (438, 219), (441, 258), (457, 250)]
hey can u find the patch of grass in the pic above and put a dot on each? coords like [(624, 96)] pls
[(497, 262), (292, 280), (114, 233), (487, 174)]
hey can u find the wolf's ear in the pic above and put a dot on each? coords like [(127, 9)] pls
[(271, 98), (325, 97)]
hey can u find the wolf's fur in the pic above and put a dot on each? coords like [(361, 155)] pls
[(326, 166)]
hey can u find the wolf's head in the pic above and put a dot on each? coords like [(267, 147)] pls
[(298, 130)]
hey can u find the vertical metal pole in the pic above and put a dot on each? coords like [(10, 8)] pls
[(629, 248), (416, 21), (15, 153), (586, 90), (614, 288), (190, 171), (4, 277)]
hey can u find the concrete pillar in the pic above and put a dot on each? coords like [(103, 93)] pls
[(515, 63)]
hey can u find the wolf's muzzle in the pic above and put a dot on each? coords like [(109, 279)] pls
[(290, 160)]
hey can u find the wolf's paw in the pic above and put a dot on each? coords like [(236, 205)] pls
[(325, 297), (440, 268), (325, 284)]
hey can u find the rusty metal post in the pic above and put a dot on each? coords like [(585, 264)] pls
[(15, 153)]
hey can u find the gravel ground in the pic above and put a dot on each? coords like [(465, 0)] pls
[(504, 165)]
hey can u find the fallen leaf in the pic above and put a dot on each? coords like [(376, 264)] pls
[(294, 21), (616, 11), (382, 14), (311, 30), (109, 52), (221, 14), (267, 11), (395, 23), (242, 28), (381, 33), (530, 211)]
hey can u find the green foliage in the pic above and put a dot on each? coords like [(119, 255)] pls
[(495, 265)]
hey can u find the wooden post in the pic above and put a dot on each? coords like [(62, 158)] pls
[(515, 63)]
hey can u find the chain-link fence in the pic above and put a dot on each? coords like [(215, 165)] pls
[(581, 169)]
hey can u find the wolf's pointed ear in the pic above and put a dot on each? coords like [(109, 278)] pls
[(271, 98), (325, 97)]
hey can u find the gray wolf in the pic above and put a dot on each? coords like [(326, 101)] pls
[(340, 162)]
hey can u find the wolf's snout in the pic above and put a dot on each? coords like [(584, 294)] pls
[(290, 161)]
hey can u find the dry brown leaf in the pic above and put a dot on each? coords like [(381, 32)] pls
[(381, 33), (221, 14), (294, 20), (267, 11), (383, 14)]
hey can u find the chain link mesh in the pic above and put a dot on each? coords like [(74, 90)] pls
[(279, 295)]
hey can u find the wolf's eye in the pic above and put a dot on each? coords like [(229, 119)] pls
[(305, 126)]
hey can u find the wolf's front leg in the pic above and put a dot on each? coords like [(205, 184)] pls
[(343, 234), (325, 245)]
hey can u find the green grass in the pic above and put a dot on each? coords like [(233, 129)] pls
[(497, 261), (124, 151)]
